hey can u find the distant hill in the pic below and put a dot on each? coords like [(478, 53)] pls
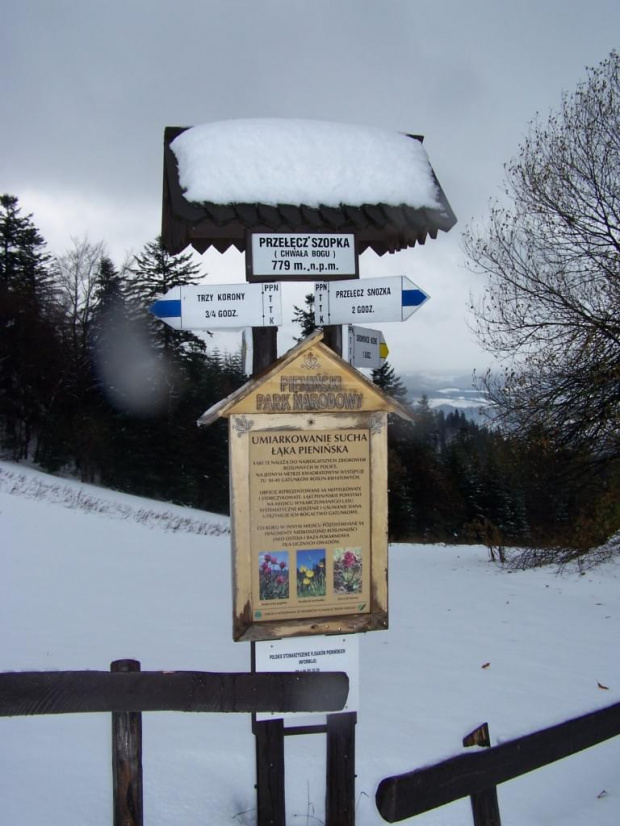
[(446, 391)]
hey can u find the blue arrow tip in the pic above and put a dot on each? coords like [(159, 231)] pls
[(166, 308)]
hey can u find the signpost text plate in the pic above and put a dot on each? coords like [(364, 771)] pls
[(300, 256)]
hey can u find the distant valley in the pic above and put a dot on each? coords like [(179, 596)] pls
[(446, 391)]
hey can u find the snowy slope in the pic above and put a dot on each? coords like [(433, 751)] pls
[(82, 587)]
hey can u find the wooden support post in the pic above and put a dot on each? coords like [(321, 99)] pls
[(127, 758), (332, 337), (484, 804), (340, 786), (268, 735), (264, 348), (271, 809)]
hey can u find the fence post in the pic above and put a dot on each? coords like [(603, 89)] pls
[(270, 773), (127, 758), (484, 804), (340, 786)]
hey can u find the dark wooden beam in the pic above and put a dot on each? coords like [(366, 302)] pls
[(410, 794), (67, 692)]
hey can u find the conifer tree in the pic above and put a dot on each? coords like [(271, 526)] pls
[(153, 273), (24, 262), (385, 377), (304, 316), (30, 358)]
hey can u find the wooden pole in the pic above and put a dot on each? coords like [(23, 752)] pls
[(332, 337), (127, 758), (271, 809), (340, 786), (264, 348), (269, 734), (484, 804)]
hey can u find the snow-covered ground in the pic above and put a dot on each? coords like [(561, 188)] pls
[(88, 576)]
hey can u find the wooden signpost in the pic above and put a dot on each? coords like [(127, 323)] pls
[(308, 433), (308, 450)]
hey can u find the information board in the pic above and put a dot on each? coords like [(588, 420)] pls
[(309, 499), (308, 473)]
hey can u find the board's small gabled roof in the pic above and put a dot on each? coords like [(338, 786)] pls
[(310, 377)]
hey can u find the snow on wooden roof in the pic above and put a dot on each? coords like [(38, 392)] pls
[(223, 180)]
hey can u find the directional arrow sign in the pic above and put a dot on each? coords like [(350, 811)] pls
[(218, 306), (367, 348), (370, 299)]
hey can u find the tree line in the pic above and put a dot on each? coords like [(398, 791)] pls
[(92, 385)]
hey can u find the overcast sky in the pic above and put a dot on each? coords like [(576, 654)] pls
[(87, 89)]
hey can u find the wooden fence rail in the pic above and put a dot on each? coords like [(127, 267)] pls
[(126, 692), (72, 692), (415, 792)]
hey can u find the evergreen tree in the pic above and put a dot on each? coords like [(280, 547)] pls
[(385, 377), (108, 285), (30, 321), (152, 274), (304, 316), (161, 452), (24, 262), (155, 271)]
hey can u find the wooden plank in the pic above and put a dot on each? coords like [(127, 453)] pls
[(340, 789), (293, 731), (410, 794), (127, 758), (67, 692), (271, 809), (484, 804)]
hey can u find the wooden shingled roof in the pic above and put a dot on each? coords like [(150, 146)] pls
[(381, 227)]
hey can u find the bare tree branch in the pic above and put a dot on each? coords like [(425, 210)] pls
[(551, 307)]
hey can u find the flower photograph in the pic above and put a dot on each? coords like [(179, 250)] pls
[(273, 573), (311, 577), (348, 570)]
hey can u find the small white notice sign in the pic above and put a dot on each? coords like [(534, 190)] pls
[(367, 348), (292, 256), (322, 653)]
